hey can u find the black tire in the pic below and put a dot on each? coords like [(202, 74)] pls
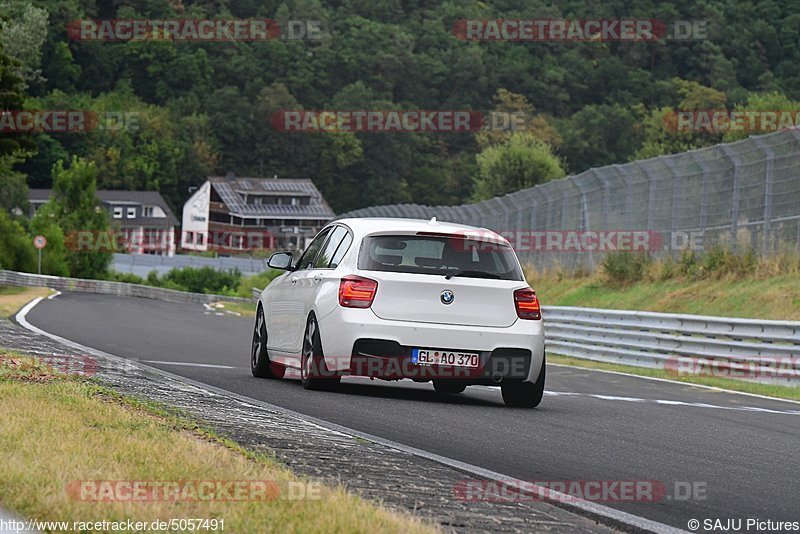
[(448, 386), (524, 394), (314, 374), (260, 364)]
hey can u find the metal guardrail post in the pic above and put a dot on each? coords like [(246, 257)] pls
[(766, 245), (735, 197), (584, 225)]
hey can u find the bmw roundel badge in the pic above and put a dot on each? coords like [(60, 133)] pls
[(447, 297)]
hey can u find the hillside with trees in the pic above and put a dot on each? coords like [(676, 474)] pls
[(204, 108)]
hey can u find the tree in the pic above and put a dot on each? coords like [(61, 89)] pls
[(16, 248), (518, 163), (762, 102), (13, 189), (516, 105), (11, 99), (658, 133), (22, 35), (74, 208), (599, 135)]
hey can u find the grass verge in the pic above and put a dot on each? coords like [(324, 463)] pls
[(13, 298), (769, 390), (242, 309), (718, 282), (57, 429), (767, 298)]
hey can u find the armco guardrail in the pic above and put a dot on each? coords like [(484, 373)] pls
[(767, 351), (105, 287)]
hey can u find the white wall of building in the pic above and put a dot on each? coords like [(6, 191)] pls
[(194, 234)]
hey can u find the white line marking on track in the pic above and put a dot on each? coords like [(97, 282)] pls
[(672, 403), (688, 384), (192, 364)]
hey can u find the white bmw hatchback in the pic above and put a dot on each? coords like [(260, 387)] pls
[(403, 299)]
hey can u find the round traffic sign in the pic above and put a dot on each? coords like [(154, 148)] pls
[(39, 241)]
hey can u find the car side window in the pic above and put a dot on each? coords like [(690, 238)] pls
[(307, 259), (344, 246), (329, 249)]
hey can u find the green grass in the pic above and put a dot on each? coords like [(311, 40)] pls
[(776, 297), (58, 430), (13, 298), (769, 390), (242, 309), (11, 290), (718, 282)]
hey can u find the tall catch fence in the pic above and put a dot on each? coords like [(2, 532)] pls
[(744, 194)]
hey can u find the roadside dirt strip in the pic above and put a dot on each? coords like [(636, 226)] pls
[(374, 471)]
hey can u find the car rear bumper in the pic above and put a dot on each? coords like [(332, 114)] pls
[(356, 341)]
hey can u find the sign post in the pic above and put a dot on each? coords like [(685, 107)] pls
[(39, 242)]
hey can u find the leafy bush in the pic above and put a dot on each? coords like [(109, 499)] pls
[(718, 262), (202, 280), (260, 281), (192, 279), (721, 261), (519, 162), (625, 267), (128, 278)]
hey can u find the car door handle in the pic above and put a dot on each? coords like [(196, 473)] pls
[(319, 278), (294, 279)]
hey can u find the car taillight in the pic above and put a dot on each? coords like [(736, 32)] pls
[(527, 304), (357, 292)]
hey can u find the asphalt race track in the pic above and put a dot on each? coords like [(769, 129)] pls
[(741, 452)]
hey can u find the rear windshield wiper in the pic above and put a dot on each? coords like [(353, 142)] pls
[(473, 274)]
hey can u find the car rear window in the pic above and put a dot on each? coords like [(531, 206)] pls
[(439, 255)]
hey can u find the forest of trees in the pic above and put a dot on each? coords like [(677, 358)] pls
[(204, 108)]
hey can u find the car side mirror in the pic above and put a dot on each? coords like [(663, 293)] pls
[(281, 260)]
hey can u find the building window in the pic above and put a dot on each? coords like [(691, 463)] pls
[(117, 213), (147, 211), (131, 213), (189, 238), (201, 239), (294, 201)]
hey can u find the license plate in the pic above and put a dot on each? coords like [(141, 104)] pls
[(445, 357)]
